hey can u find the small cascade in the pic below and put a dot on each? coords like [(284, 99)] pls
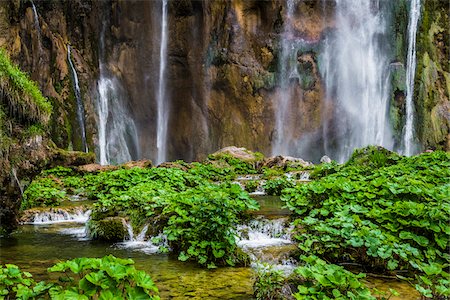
[(161, 101), (57, 215), (17, 181), (355, 68), (267, 241), (408, 131), (36, 21), (139, 242), (80, 106)]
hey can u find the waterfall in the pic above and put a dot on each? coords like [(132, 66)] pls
[(80, 107), (161, 101), (139, 243), (408, 135), (354, 66), (17, 181), (117, 133), (58, 215), (280, 144), (36, 20)]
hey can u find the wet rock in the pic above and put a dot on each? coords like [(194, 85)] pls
[(110, 229), (285, 161), (325, 159)]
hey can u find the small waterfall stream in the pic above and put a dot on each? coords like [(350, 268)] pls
[(355, 69), (139, 242), (80, 106), (408, 134), (161, 101), (57, 215), (36, 21)]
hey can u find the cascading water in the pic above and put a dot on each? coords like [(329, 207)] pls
[(408, 134), (139, 242), (58, 216), (280, 144), (117, 133), (80, 107), (36, 20), (161, 101), (354, 66)]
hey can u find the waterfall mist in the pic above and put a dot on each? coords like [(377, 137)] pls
[(117, 134), (355, 71)]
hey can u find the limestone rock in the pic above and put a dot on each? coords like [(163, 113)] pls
[(285, 161), (325, 159), (239, 153)]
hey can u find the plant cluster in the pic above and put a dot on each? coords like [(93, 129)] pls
[(81, 278), (197, 215), (275, 186), (382, 210)]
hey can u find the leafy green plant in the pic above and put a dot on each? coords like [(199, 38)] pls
[(42, 192), (81, 278), (320, 280), (251, 185), (269, 283), (387, 213), (275, 186)]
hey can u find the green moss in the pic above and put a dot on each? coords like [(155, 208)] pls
[(23, 94), (108, 229)]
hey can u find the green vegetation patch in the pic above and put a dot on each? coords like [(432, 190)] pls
[(381, 210), (23, 94), (81, 278), (197, 214)]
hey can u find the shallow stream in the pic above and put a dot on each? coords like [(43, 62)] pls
[(37, 247)]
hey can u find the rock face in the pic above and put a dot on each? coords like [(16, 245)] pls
[(432, 81), (223, 73)]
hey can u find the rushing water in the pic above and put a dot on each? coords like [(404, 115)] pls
[(281, 144), (80, 106), (408, 134), (355, 68), (161, 101), (117, 133)]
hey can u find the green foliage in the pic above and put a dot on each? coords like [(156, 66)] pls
[(198, 216), (251, 186), (269, 283), (235, 164), (23, 94), (384, 211), (275, 186), (320, 280), (81, 278), (201, 223), (42, 192)]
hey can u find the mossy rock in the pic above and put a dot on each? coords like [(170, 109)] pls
[(110, 229), (239, 153), (373, 157)]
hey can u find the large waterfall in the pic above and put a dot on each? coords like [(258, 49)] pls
[(80, 106), (408, 131), (161, 101), (355, 68), (117, 134)]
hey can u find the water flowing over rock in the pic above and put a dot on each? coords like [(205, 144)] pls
[(55, 215), (408, 131), (80, 105), (355, 70)]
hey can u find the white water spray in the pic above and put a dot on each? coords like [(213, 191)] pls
[(36, 20), (280, 144), (117, 133), (161, 101), (408, 135), (80, 107), (355, 68)]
